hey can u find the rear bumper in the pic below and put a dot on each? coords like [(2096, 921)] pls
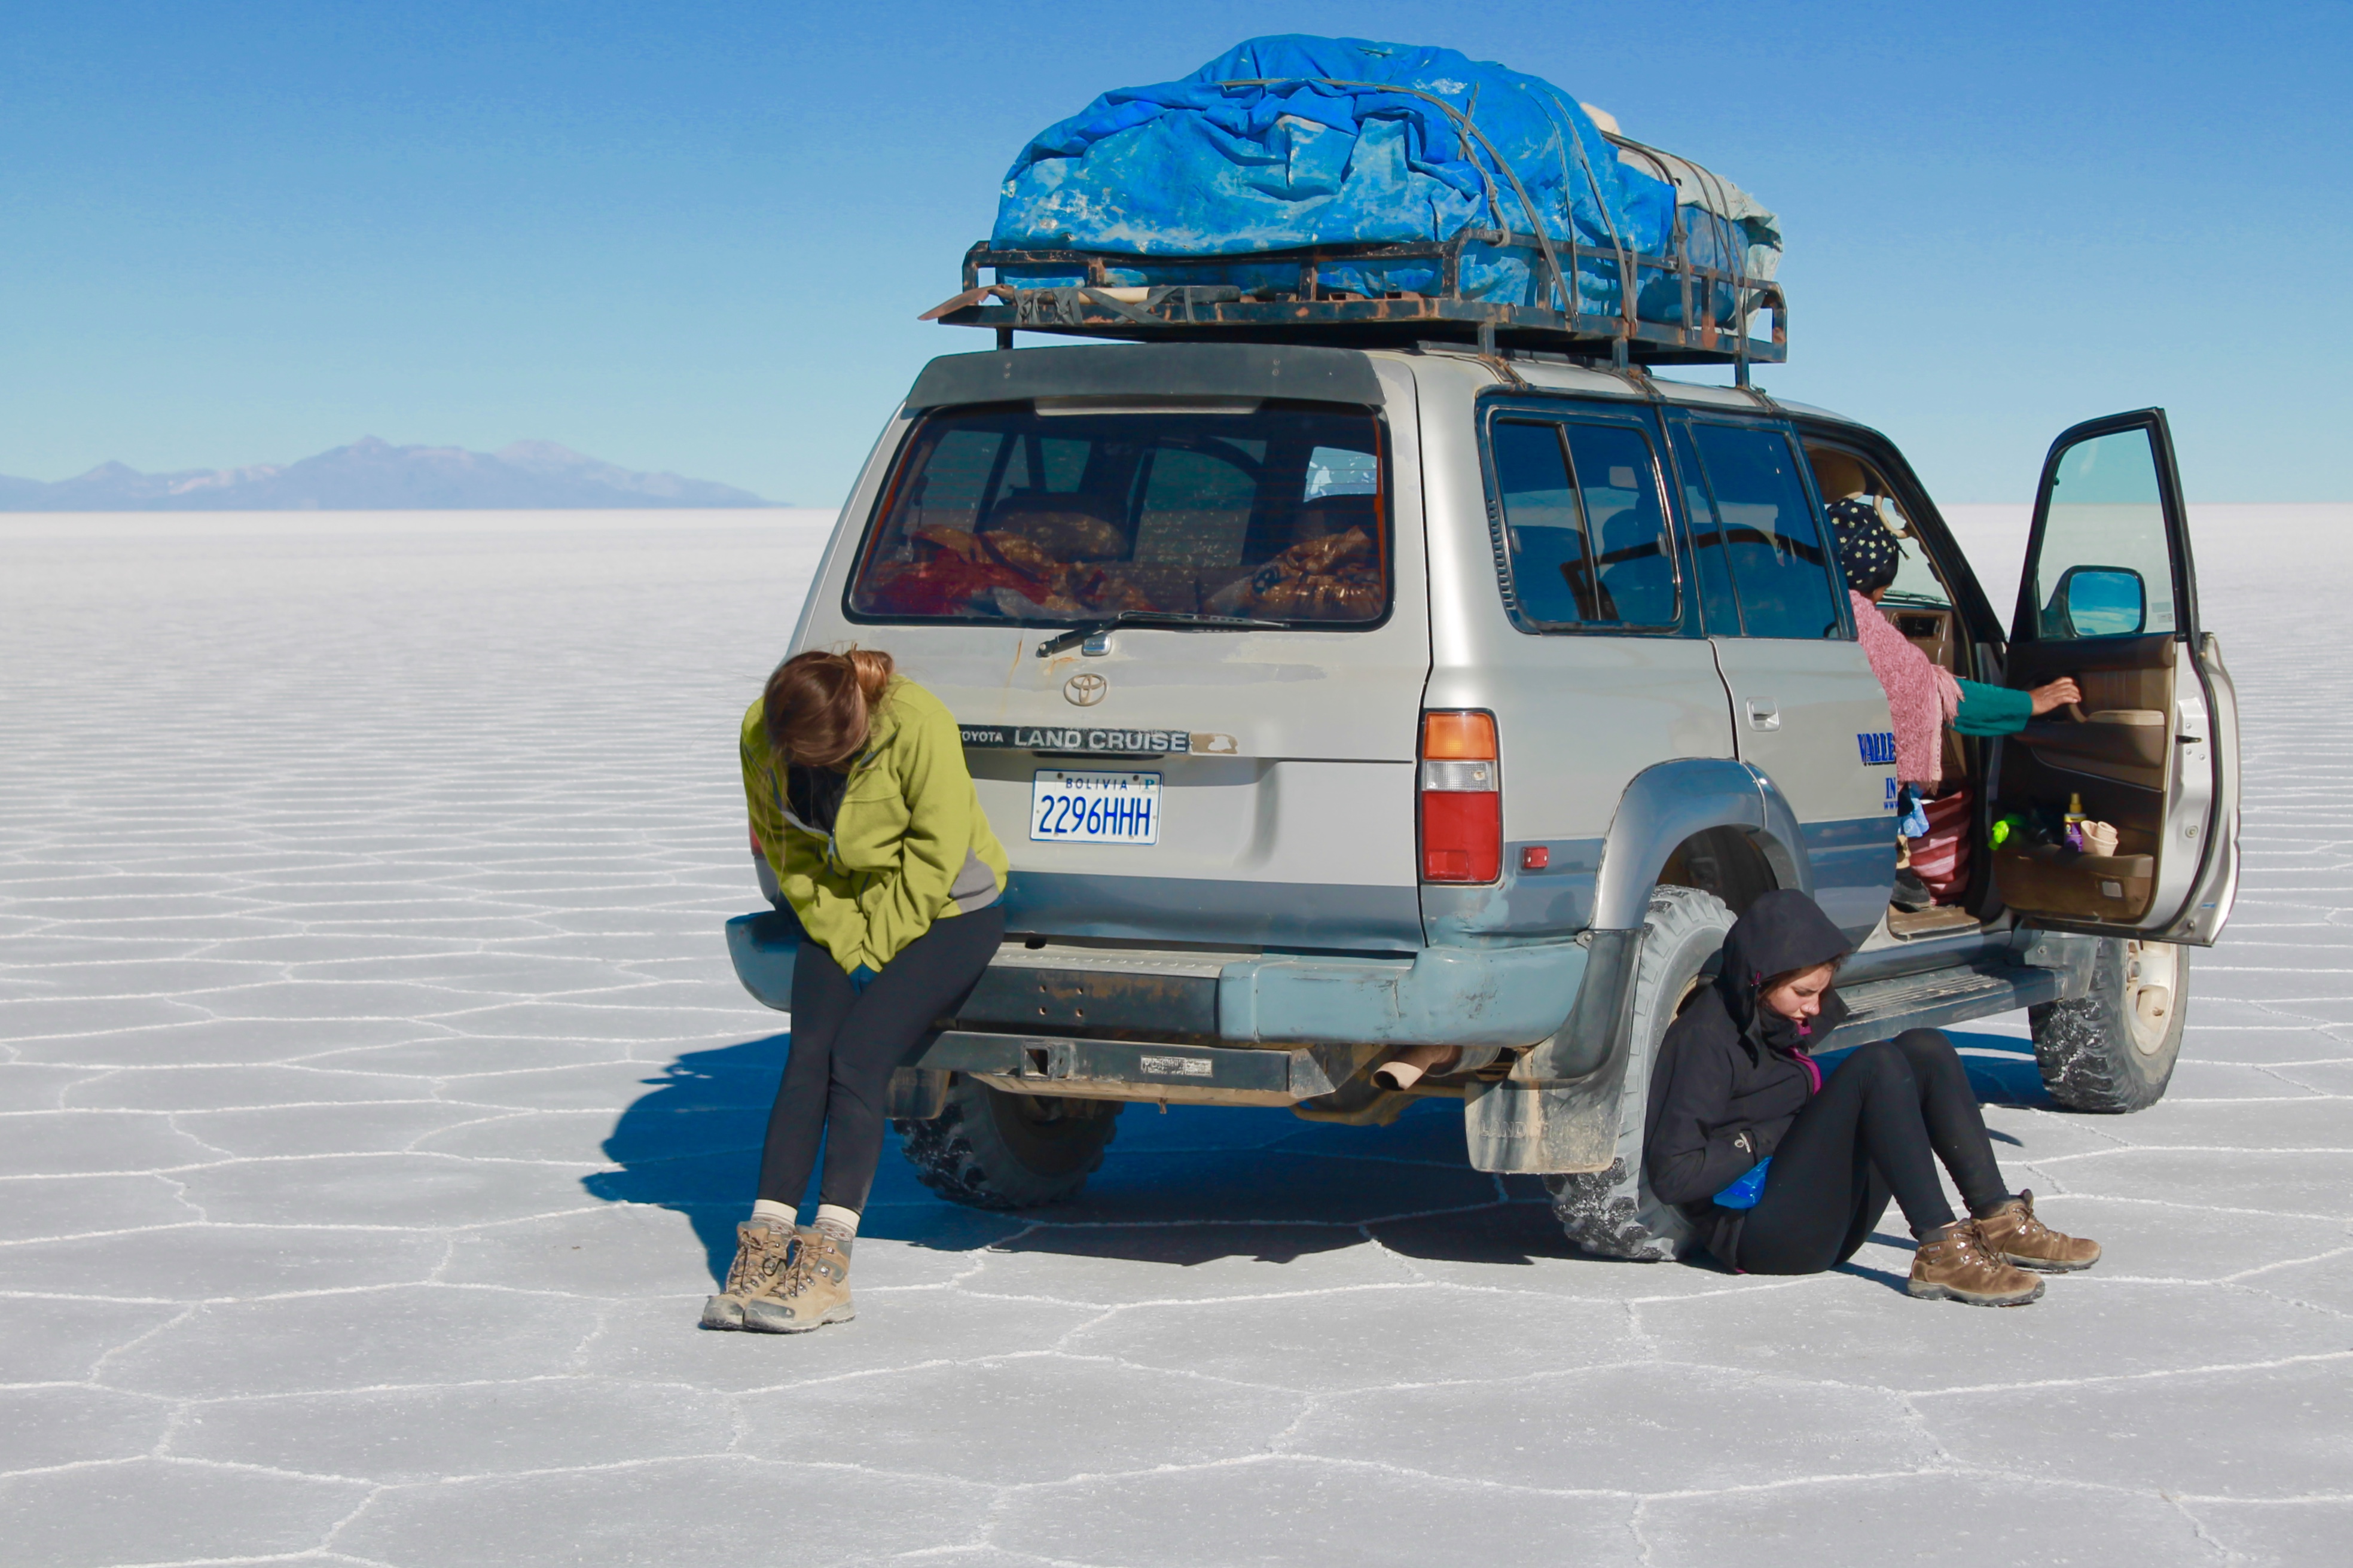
[(1500, 997), (1129, 1069)]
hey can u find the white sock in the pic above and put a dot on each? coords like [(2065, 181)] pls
[(836, 1220), (773, 1213), (839, 1222)]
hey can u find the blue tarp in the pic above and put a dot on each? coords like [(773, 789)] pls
[(1292, 141)]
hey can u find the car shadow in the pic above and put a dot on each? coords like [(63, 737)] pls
[(2001, 1069), (1180, 1186)]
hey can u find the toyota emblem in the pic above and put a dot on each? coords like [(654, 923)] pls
[(1086, 690)]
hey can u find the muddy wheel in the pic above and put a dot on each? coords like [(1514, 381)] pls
[(997, 1150), (2115, 1049), (1613, 1213)]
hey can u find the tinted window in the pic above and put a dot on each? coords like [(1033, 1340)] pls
[(1617, 484), (1780, 569), (1003, 513), (1582, 525), (1710, 562), (1552, 572)]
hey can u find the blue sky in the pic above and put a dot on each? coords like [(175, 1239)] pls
[(696, 237)]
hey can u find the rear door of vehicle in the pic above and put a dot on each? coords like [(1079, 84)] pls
[(1600, 668), (2109, 597), (1806, 710), (1168, 784)]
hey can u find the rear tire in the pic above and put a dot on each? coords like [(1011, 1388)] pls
[(1613, 1213), (997, 1150), (2114, 1050)]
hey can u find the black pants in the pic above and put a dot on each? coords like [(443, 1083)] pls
[(847, 1044), (1884, 1116)]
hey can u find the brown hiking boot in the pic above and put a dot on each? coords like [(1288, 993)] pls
[(812, 1292), (2013, 1231), (764, 1256), (1957, 1263)]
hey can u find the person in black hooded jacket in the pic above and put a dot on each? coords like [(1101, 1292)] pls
[(1735, 1086)]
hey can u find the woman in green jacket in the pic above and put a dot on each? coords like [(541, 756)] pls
[(865, 816)]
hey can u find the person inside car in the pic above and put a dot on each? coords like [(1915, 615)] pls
[(1784, 1169), (866, 815), (1921, 698)]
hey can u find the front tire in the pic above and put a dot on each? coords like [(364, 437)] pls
[(991, 1149), (1613, 1213), (2114, 1050)]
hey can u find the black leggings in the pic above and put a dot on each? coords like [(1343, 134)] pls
[(847, 1044), (1871, 1131)]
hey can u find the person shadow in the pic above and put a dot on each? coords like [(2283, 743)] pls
[(1179, 1186), (692, 1142)]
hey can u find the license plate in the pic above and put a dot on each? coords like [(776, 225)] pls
[(1096, 808)]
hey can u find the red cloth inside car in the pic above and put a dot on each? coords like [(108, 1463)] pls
[(1941, 857)]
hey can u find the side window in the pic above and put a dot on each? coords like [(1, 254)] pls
[(1780, 567), (1711, 563), (1339, 470), (1552, 572), (1583, 528), (1618, 487), (2102, 568)]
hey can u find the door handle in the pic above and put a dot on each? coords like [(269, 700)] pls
[(1763, 716)]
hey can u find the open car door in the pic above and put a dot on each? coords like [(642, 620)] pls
[(2109, 597)]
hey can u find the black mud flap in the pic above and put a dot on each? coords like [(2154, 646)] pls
[(1559, 1110)]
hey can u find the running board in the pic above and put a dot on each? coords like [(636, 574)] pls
[(1938, 998)]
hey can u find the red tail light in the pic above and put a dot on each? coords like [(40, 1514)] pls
[(1461, 798)]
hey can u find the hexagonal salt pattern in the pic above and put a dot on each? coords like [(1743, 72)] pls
[(377, 1104)]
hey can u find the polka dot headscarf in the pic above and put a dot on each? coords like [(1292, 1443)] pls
[(1866, 547)]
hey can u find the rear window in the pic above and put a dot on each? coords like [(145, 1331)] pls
[(1272, 511)]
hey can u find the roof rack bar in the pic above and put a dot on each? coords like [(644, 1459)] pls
[(1079, 292)]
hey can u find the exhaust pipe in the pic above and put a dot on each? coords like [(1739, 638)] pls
[(1413, 1064)]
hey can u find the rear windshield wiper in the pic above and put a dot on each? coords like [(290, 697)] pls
[(1173, 620)]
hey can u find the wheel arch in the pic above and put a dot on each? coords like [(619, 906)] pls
[(1670, 805)]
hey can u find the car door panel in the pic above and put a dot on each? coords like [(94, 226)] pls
[(1588, 685), (1807, 712), (2109, 597)]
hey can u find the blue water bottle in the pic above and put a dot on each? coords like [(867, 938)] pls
[(1743, 1193)]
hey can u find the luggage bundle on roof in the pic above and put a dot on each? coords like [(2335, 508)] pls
[(1338, 190)]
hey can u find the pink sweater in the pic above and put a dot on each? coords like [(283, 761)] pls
[(1921, 696)]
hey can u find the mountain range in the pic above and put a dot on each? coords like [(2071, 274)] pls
[(372, 475)]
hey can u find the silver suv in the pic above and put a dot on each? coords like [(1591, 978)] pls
[(1335, 701)]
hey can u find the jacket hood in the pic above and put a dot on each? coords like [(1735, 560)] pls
[(1783, 930)]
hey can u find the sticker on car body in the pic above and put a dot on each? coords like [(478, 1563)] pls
[(1099, 741)]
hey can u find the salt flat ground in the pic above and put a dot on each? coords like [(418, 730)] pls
[(376, 1099)]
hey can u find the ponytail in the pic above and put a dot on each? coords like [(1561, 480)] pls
[(874, 669), (817, 707)]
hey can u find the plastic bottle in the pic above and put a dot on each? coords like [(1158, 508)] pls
[(2074, 822)]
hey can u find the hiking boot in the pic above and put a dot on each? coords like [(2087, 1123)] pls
[(2014, 1233), (1956, 1263), (764, 1256), (812, 1292)]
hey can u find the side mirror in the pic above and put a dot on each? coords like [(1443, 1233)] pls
[(2100, 601)]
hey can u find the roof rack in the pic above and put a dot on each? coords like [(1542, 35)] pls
[(1310, 312)]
